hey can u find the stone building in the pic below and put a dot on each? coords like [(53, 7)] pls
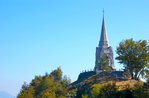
[(104, 49)]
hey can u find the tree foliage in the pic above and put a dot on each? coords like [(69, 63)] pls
[(108, 91), (135, 57), (48, 86), (96, 90), (104, 64), (141, 90)]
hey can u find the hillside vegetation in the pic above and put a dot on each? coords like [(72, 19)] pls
[(103, 85), (51, 85)]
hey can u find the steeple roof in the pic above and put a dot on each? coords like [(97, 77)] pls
[(103, 36)]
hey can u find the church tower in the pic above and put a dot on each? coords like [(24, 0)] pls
[(104, 49)]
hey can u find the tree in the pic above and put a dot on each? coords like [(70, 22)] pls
[(96, 90), (135, 57), (66, 81), (48, 86), (138, 91), (26, 92), (48, 93), (57, 74), (44, 85), (22, 94), (85, 96), (23, 91), (104, 63), (30, 92)]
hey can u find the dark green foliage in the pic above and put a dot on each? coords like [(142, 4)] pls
[(141, 90), (30, 92), (45, 84), (108, 91), (146, 89), (57, 74), (135, 57), (104, 64), (80, 92), (27, 92), (48, 86), (96, 90), (85, 96), (66, 81), (124, 94)]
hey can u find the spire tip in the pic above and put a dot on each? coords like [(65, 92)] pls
[(103, 12)]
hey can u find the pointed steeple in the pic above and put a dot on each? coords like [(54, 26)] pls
[(104, 49), (103, 36)]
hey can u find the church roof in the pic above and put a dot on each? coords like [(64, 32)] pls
[(103, 36)]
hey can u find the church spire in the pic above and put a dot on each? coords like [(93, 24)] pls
[(103, 36), (104, 49)]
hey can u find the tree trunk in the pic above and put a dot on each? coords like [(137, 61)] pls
[(131, 75), (136, 74)]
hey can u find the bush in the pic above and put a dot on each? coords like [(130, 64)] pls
[(96, 90), (108, 91)]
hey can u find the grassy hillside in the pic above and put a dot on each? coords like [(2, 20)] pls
[(103, 83), (101, 78)]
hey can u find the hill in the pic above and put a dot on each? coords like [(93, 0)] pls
[(101, 78), (106, 81), (115, 84)]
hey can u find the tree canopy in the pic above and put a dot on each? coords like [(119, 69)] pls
[(48, 86), (135, 57)]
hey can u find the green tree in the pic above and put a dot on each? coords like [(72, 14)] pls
[(126, 93), (96, 90), (108, 91), (57, 74), (146, 89), (22, 94), (30, 92), (48, 86), (135, 57), (81, 92), (138, 91), (104, 63), (44, 85), (85, 96), (26, 92), (23, 91), (66, 81), (48, 93), (141, 90)]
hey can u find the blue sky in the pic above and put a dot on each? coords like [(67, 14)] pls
[(37, 36)]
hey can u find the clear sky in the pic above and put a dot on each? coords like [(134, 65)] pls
[(37, 36)]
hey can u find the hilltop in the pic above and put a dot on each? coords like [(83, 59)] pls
[(92, 84), (103, 84), (102, 78)]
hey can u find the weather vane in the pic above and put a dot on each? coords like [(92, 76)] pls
[(103, 11)]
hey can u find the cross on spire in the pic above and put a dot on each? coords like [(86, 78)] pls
[(103, 11)]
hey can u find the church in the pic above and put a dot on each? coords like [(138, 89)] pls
[(103, 50)]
